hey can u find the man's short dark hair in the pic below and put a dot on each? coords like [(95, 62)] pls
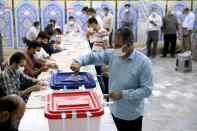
[(186, 9), (58, 30), (34, 44), (17, 57), (91, 10), (36, 23), (127, 5), (92, 21), (105, 8), (43, 35), (126, 34), (71, 17), (53, 21), (10, 103), (85, 9), (50, 32), (49, 26)]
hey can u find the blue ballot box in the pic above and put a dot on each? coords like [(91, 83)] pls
[(72, 81)]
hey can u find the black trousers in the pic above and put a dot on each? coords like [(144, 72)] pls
[(110, 38), (169, 39), (132, 125), (152, 37), (100, 78)]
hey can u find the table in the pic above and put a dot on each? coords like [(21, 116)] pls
[(34, 119)]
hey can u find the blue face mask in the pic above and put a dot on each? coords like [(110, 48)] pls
[(154, 14), (172, 12)]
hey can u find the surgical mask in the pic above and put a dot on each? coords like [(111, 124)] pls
[(36, 55), (90, 29), (21, 69), (126, 10), (89, 16), (71, 22), (119, 52), (154, 14), (172, 12)]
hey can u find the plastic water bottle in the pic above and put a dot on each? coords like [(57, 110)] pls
[(65, 88)]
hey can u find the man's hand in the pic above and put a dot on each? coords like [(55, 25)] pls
[(35, 88), (105, 70), (44, 68), (75, 66), (41, 83), (152, 22), (115, 95), (180, 23), (147, 32), (163, 34), (52, 66)]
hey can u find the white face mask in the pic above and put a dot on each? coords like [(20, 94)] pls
[(71, 22), (21, 69), (126, 10), (119, 52), (89, 16), (154, 14), (90, 29), (36, 55)]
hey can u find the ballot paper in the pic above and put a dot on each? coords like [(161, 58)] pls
[(74, 77)]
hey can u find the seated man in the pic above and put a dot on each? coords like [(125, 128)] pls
[(12, 76), (33, 31), (34, 67), (12, 109), (51, 47), (72, 27), (43, 38), (53, 22)]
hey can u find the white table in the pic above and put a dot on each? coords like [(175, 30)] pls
[(34, 119)]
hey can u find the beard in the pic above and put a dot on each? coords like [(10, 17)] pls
[(7, 126)]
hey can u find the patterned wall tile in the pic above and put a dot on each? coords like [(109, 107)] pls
[(52, 10), (74, 9), (26, 13), (6, 25)]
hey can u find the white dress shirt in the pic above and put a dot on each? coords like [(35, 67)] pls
[(76, 28), (99, 20), (108, 22), (32, 33), (189, 21), (42, 54), (156, 19)]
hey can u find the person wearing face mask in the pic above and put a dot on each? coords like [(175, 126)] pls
[(85, 12), (12, 77), (92, 13), (188, 26), (128, 18), (108, 23), (12, 109), (169, 30), (34, 67), (33, 31), (154, 23), (72, 27), (130, 79), (100, 43)]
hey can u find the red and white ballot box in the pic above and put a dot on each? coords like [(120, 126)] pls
[(73, 111)]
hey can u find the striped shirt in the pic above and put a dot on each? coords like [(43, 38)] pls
[(133, 76), (99, 38)]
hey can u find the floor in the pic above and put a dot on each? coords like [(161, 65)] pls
[(173, 104)]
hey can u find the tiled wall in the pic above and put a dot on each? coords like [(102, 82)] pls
[(16, 22)]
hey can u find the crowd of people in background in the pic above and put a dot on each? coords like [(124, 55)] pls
[(20, 75)]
